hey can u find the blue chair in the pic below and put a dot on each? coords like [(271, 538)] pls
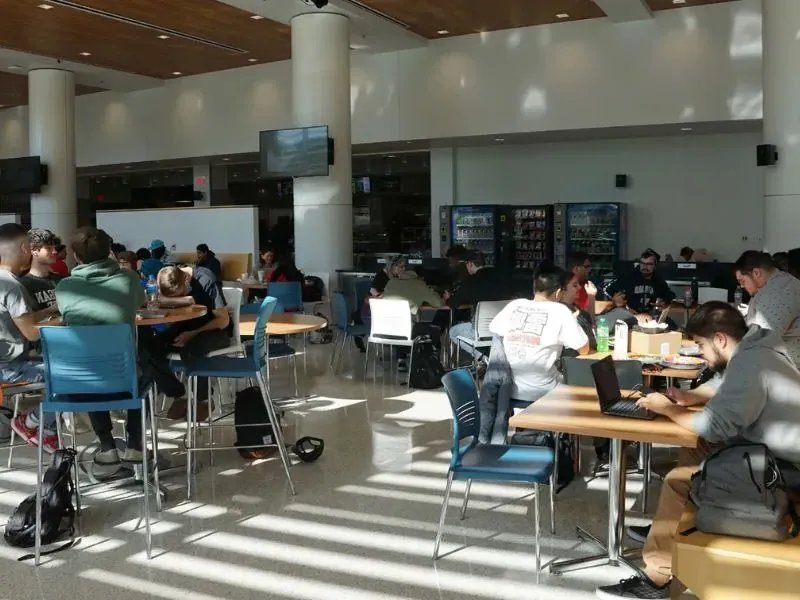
[(490, 462), (96, 360), (289, 295), (343, 328), (251, 366)]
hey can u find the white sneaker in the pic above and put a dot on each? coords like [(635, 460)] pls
[(106, 457)]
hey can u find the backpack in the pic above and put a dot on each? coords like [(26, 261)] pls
[(253, 428), (546, 439), (740, 491), (426, 368), (58, 513), (313, 289)]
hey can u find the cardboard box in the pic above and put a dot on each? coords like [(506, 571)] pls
[(650, 343)]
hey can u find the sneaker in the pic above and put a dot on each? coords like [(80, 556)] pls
[(31, 436), (638, 534), (131, 456), (635, 587), (106, 457)]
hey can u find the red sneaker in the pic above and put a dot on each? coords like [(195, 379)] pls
[(31, 436)]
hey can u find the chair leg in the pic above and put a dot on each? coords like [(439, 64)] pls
[(189, 434), (410, 363), (366, 360), (342, 350), (537, 529), (644, 456), (146, 483), (296, 385), (154, 442), (38, 534), (209, 422), (13, 434), (442, 515), (276, 429), (78, 508), (554, 486), (466, 500)]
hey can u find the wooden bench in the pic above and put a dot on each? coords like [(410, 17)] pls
[(717, 567)]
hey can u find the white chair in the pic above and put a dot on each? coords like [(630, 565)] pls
[(485, 312), (391, 325)]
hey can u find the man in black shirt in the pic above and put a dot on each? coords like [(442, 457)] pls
[(40, 281), (643, 289), (206, 258), (198, 337)]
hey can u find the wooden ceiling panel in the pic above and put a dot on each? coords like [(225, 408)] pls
[(14, 90), (667, 4), (462, 17), (203, 35)]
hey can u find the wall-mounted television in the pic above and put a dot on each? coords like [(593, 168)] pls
[(299, 152), (24, 175)]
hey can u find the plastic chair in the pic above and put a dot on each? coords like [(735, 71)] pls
[(343, 328), (485, 312), (251, 366), (96, 360), (289, 295), (491, 462), (391, 325), (16, 391)]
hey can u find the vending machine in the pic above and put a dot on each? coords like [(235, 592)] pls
[(597, 229), (531, 237), (477, 227)]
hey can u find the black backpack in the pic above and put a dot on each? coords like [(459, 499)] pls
[(313, 289), (58, 513), (546, 439), (253, 428), (426, 367)]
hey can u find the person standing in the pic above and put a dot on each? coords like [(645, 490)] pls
[(40, 281), (774, 298)]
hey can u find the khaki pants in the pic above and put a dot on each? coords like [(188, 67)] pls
[(657, 551)]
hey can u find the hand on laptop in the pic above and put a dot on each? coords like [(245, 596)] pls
[(681, 398), (655, 402)]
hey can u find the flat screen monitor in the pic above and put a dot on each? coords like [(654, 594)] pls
[(301, 152), (22, 175)]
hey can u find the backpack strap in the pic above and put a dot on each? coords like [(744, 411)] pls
[(60, 548)]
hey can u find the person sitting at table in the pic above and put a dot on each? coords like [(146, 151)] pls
[(483, 284), (59, 266), (285, 270), (534, 333), (642, 290), (151, 266), (208, 259), (774, 298), (456, 256), (18, 329), (266, 259), (199, 336), (578, 264), (570, 292), (393, 268), (40, 281), (100, 292), (757, 398), (686, 254), (408, 286)]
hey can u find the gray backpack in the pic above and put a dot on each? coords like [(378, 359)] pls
[(740, 491)]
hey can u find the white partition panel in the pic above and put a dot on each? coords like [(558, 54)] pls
[(10, 218), (226, 229)]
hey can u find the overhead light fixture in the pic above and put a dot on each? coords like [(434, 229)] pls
[(256, 17), (86, 53), (686, 128), (252, 60), (45, 6), (562, 16), (163, 37), (128, 167), (443, 32), (14, 68), (226, 159), (499, 139), (177, 73), (679, 1)]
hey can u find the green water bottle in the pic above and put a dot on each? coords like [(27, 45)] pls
[(602, 335)]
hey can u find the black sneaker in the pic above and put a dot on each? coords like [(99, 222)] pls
[(638, 534), (635, 587)]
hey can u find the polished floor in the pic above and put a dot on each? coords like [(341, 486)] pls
[(361, 526)]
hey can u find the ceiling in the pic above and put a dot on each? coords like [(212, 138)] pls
[(14, 89)]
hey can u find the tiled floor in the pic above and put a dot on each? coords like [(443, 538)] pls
[(360, 528)]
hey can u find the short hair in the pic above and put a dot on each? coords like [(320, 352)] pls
[(650, 253), (142, 254), (686, 250), (10, 234), (90, 244), (717, 317), (171, 281), (476, 258), (128, 256), (203, 248), (457, 251), (753, 259), (117, 248), (159, 253), (576, 259), (39, 238), (548, 279), (60, 248)]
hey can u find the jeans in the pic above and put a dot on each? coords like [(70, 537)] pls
[(31, 371), (465, 330)]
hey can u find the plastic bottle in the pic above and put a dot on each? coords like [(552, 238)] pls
[(152, 293), (688, 300), (602, 335), (738, 296)]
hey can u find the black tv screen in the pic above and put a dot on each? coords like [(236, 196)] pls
[(22, 175), (301, 152)]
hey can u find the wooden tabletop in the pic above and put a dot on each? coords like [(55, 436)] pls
[(576, 410), (253, 285), (174, 315), (690, 374), (282, 324)]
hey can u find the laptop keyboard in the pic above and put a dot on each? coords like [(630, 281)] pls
[(628, 408)]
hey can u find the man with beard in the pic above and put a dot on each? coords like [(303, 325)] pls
[(757, 400)]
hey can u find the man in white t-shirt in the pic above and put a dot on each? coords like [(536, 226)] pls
[(535, 332)]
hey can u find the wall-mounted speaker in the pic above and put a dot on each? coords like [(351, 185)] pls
[(766, 155), (621, 180)]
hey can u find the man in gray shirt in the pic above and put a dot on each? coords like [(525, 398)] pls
[(775, 298), (18, 328), (756, 399)]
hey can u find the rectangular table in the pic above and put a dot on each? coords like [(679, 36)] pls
[(690, 374), (576, 410)]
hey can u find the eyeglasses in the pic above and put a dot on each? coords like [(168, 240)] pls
[(647, 264)]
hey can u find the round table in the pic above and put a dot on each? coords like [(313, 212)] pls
[(174, 315), (282, 324)]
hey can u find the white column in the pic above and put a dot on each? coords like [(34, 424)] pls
[(51, 114), (781, 82), (323, 206)]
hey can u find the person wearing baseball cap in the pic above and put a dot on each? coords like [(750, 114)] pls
[(151, 266)]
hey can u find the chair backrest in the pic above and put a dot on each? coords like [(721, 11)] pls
[(341, 317), (390, 317), (463, 396), (289, 295), (260, 341), (91, 359), (578, 371), (361, 288), (485, 313), (233, 298)]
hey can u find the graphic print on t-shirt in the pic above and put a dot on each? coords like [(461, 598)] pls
[(526, 328), (45, 298)]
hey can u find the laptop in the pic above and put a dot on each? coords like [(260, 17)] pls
[(610, 396)]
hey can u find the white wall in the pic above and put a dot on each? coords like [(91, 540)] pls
[(696, 190), (685, 65)]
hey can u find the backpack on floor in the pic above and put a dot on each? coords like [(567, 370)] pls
[(253, 428), (426, 370), (58, 513), (313, 289), (740, 491), (546, 439)]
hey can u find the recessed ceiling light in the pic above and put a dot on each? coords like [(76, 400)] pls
[(679, 1), (163, 37), (86, 53), (45, 6), (252, 60), (499, 139), (562, 16), (443, 32), (256, 17), (177, 73), (15, 68), (686, 128), (128, 167)]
